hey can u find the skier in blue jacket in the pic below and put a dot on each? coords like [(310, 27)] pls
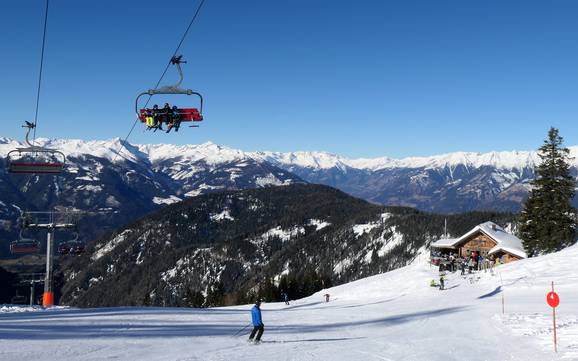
[(258, 326)]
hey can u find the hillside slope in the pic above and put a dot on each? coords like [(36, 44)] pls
[(228, 247)]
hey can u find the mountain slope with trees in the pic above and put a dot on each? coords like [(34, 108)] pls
[(230, 247)]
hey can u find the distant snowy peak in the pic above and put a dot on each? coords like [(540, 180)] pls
[(208, 152), (119, 150), (498, 160), (107, 149), (212, 154), (317, 160)]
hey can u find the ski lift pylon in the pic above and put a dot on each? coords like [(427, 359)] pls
[(187, 114), (35, 159)]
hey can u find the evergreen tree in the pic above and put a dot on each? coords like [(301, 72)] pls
[(548, 220), (268, 292), (7, 282), (194, 298), (215, 295)]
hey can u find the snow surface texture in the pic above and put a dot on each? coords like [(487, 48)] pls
[(393, 316), (215, 154)]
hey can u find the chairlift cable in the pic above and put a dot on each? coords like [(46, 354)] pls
[(117, 153), (41, 68)]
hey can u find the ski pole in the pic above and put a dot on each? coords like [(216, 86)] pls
[(241, 330)]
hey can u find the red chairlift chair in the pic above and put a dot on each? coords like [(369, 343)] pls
[(187, 114), (34, 159)]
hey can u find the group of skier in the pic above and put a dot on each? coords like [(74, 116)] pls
[(474, 262), (470, 263), (155, 117)]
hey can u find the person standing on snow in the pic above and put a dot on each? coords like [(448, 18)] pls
[(442, 283), (471, 265), (258, 326)]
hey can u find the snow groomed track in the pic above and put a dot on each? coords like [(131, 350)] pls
[(393, 316)]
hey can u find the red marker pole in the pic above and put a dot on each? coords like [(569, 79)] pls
[(553, 300), (503, 303), (555, 339)]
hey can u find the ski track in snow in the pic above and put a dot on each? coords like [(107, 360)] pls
[(393, 316)]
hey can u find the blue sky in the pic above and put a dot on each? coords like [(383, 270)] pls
[(361, 79)]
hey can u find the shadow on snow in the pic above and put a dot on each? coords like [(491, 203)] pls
[(98, 325), (491, 294), (316, 340)]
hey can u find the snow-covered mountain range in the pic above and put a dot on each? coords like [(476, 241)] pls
[(453, 182), (324, 160), (448, 183), (213, 153)]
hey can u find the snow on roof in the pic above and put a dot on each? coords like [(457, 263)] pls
[(444, 243), (506, 242)]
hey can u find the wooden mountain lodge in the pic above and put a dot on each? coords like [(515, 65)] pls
[(488, 240)]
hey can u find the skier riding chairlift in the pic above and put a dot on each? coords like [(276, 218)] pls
[(73, 246), (184, 114)]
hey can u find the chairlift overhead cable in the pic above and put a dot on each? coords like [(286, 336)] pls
[(41, 68)]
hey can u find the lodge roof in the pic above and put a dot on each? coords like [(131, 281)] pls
[(505, 241)]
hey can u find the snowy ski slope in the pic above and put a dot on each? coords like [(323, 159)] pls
[(393, 316)]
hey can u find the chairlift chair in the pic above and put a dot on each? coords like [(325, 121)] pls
[(19, 300), (63, 249), (73, 246), (186, 114), (24, 245), (35, 159)]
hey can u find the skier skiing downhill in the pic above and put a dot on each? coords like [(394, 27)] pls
[(258, 326)]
